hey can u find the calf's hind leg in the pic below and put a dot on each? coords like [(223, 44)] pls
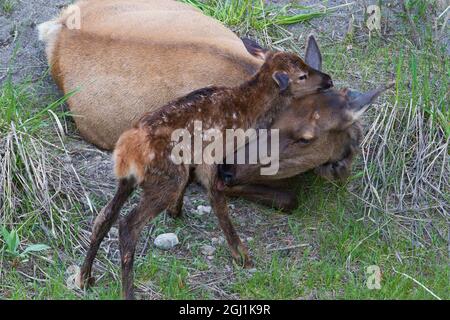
[(102, 225), (157, 196)]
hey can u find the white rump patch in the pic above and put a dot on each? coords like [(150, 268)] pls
[(48, 30), (48, 33)]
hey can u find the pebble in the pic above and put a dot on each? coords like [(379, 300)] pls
[(166, 241), (208, 250), (252, 270), (219, 240), (114, 232), (202, 210)]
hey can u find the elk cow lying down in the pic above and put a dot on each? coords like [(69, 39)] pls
[(131, 57)]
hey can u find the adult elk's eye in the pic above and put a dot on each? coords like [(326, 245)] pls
[(304, 141), (303, 77)]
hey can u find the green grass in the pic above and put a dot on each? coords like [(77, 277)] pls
[(7, 6), (342, 244), (393, 212), (39, 199), (255, 14), (166, 273)]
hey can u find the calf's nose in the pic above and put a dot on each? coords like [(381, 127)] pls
[(327, 82)]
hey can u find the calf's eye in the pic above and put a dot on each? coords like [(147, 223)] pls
[(303, 77)]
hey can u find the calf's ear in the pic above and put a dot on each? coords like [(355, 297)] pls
[(282, 80), (313, 57)]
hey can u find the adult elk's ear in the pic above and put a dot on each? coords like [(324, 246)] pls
[(282, 80), (313, 57), (254, 48), (360, 102)]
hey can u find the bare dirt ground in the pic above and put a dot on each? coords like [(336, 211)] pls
[(18, 30)]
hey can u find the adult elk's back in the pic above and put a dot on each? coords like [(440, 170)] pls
[(131, 57)]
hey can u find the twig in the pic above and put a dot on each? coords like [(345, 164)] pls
[(289, 247), (420, 284)]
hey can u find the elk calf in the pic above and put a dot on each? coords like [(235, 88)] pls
[(143, 153)]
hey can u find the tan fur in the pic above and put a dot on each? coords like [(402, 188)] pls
[(134, 56), (131, 155)]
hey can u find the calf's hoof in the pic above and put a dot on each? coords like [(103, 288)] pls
[(242, 258), (174, 213), (128, 295)]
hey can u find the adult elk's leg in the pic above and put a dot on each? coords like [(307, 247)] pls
[(271, 197), (102, 225), (175, 211)]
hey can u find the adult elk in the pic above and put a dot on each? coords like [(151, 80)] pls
[(131, 57)]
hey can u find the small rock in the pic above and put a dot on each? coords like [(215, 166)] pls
[(219, 240), (114, 232), (202, 210), (249, 239), (73, 280), (208, 250), (166, 241), (210, 258), (252, 270), (67, 159)]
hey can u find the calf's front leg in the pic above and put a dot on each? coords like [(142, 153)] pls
[(238, 250)]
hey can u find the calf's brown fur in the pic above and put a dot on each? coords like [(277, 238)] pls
[(143, 153)]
